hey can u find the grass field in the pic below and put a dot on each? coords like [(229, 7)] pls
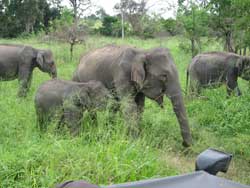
[(104, 154)]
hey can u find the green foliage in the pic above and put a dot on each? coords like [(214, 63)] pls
[(104, 153), (66, 19), (111, 26), (17, 17), (194, 19), (171, 26)]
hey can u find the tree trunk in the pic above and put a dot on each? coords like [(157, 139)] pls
[(122, 14), (193, 47), (71, 50), (27, 27), (229, 42), (245, 51)]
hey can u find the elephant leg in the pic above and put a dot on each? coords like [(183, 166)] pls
[(130, 106), (195, 88), (130, 111), (140, 101), (61, 122), (72, 117), (93, 117), (232, 84), (41, 120), (24, 78), (238, 91)]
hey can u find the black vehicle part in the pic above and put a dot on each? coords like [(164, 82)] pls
[(213, 161)]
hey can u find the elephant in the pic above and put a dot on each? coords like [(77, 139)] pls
[(131, 74), (69, 99), (212, 69), (18, 62)]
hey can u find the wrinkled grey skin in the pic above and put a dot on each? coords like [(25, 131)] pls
[(214, 68), (18, 62), (132, 74), (69, 99), (76, 184)]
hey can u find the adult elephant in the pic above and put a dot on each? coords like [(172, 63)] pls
[(214, 68), (18, 62), (132, 74)]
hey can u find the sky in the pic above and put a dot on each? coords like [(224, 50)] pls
[(156, 7)]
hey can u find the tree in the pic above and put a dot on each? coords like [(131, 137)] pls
[(242, 26), (79, 7), (223, 20), (170, 25), (74, 34), (26, 16), (194, 20), (111, 26), (65, 30), (133, 12)]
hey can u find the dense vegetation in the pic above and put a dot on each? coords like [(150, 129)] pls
[(104, 154)]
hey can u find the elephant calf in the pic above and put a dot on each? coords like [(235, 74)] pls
[(18, 61), (71, 99), (214, 68)]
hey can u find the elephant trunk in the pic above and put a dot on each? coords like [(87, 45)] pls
[(53, 72), (178, 106)]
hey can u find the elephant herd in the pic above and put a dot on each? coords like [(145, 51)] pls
[(120, 73)]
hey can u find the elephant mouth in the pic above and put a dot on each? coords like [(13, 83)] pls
[(160, 100), (53, 74)]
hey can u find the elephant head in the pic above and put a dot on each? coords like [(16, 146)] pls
[(243, 66), (94, 94), (44, 61), (156, 75)]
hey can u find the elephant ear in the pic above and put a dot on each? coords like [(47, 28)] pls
[(40, 59), (239, 66), (138, 72), (84, 97)]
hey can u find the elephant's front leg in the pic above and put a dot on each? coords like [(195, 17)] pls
[(72, 116), (131, 113), (232, 84), (238, 91), (140, 101), (131, 105), (24, 78)]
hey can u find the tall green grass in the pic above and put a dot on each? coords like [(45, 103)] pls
[(104, 153)]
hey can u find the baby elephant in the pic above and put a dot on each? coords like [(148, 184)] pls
[(214, 68), (69, 99)]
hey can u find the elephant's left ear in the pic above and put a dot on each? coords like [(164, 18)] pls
[(239, 66), (138, 72), (39, 59)]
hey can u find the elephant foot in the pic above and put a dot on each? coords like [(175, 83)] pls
[(187, 142)]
